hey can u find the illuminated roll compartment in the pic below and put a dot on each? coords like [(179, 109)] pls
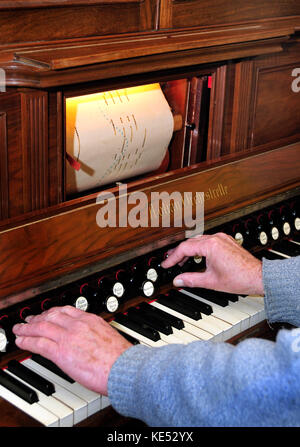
[(116, 135)]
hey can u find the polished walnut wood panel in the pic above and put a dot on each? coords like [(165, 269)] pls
[(31, 156), (182, 13), (80, 54), (26, 75), (3, 168), (44, 249), (275, 116), (216, 115), (28, 4), (67, 20), (264, 109), (55, 147), (34, 108), (11, 153)]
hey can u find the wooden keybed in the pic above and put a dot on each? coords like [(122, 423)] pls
[(244, 53)]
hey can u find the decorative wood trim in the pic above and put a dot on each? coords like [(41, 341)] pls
[(56, 151), (35, 150), (148, 14), (216, 115), (27, 76), (166, 14), (275, 63), (24, 4), (4, 195), (241, 115)]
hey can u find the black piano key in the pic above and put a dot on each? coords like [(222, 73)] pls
[(142, 329), (150, 320), (267, 255), (233, 297), (287, 248), (31, 377), (191, 302), (176, 305), (18, 388), (51, 366), (132, 340), (173, 321), (209, 295), (296, 237), (203, 307)]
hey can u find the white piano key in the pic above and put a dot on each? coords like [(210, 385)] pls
[(219, 312), (294, 242), (194, 330), (50, 403), (35, 410), (187, 337), (279, 253), (239, 321), (224, 327), (258, 303), (221, 330), (171, 338), (78, 405), (147, 341), (105, 402), (207, 323), (64, 391), (247, 309)]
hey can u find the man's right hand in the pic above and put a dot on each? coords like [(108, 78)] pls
[(229, 267)]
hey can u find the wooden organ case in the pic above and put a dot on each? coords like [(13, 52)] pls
[(230, 74)]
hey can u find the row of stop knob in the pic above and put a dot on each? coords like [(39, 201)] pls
[(266, 227)]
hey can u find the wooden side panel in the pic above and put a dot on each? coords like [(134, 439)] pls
[(3, 168), (26, 163), (37, 251), (216, 114), (185, 13), (74, 21), (265, 107), (276, 111), (242, 98), (11, 153), (55, 147), (35, 150)]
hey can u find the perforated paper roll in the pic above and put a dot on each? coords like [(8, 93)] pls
[(116, 135)]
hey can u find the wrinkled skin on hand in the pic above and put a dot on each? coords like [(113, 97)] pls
[(229, 267), (81, 344)]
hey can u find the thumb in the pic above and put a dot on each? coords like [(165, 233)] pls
[(195, 279)]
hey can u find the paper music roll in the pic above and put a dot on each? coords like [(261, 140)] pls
[(115, 135)]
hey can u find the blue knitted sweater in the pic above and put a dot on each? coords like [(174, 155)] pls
[(255, 383)]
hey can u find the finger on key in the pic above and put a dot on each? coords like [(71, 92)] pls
[(38, 345), (187, 248), (45, 329), (54, 315)]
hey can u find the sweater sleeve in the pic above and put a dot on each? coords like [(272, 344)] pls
[(217, 384), (281, 280), (255, 383)]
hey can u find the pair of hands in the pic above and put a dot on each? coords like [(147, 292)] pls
[(86, 347)]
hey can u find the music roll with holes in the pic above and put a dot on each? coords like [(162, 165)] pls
[(116, 135)]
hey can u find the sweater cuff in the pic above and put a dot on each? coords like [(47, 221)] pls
[(122, 380), (281, 281)]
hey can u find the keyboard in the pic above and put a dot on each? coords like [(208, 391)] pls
[(187, 315), (41, 390)]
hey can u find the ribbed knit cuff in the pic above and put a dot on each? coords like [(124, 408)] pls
[(122, 380), (281, 280)]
